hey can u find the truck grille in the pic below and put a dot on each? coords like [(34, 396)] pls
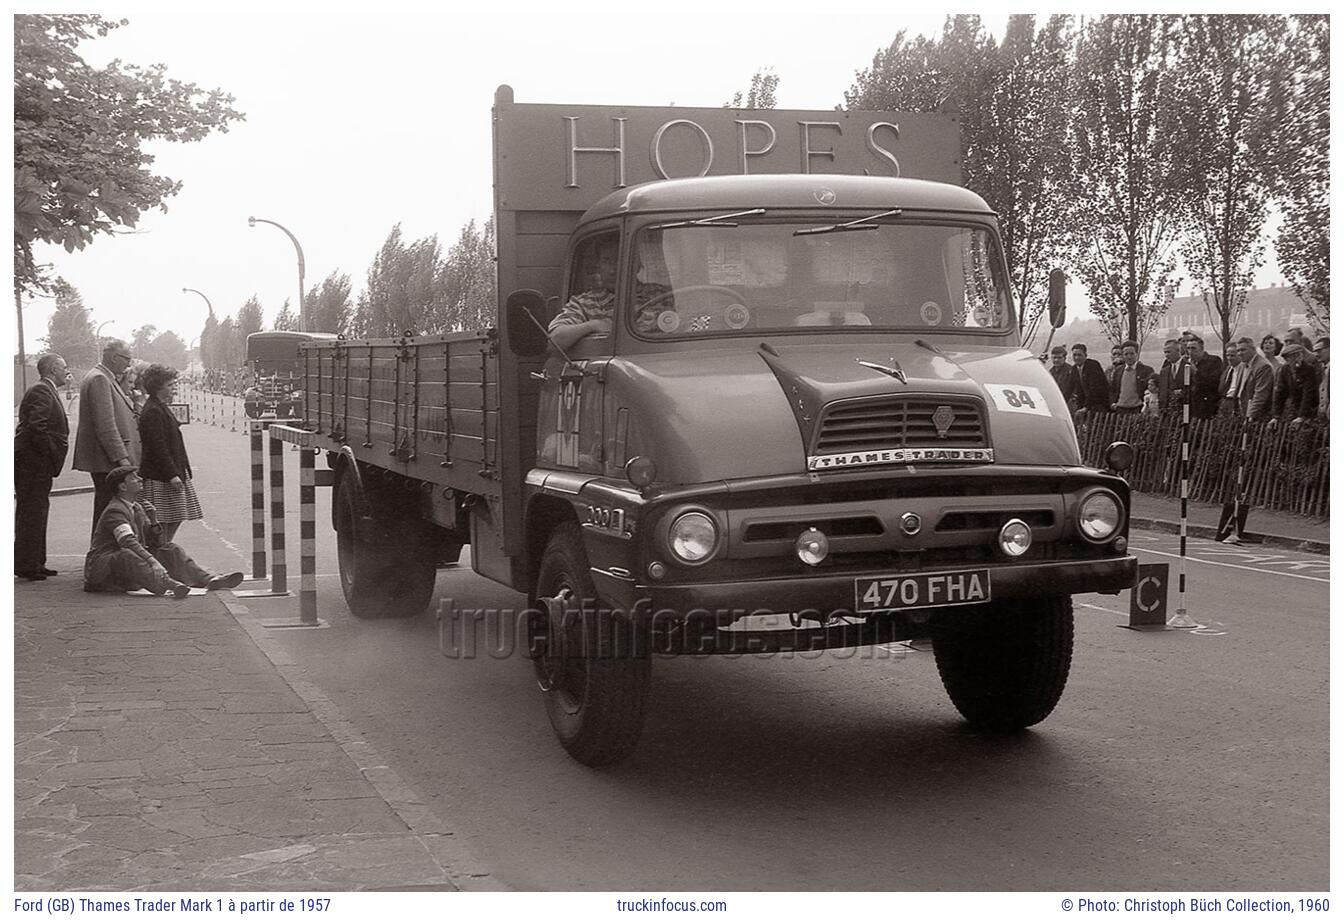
[(898, 421)]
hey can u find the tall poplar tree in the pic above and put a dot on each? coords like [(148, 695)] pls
[(1126, 154)]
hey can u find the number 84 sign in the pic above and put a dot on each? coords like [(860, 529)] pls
[(1014, 397)]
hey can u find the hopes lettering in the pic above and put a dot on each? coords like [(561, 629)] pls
[(755, 139)]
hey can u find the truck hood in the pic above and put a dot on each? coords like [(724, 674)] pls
[(739, 413)]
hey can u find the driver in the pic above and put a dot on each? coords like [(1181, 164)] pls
[(590, 311)]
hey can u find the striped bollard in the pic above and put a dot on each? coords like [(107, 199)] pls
[(1182, 620), (258, 502), (307, 539), (279, 571)]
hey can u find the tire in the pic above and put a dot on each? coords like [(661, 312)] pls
[(1004, 665), (381, 578), (595, 702)]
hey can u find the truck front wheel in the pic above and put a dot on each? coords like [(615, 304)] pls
[(380, 579), (595, 677), (1004, 665)]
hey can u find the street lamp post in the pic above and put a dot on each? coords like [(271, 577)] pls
[(303, 311), (202, 296)]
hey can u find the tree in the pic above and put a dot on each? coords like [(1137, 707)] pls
[(1126, 157), (1012, 105), (761, 94), (1019, 156), (907, 76), (400, 292), (1303, 149), (329, 305), (209, 343), (249, 319), (285, 320), (1228, 71), (70, 330), (228, 348), (79, 166), (168, 348), (467, 279), (141, 338)]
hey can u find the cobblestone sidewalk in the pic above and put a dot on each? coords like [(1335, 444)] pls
[(157, 748)]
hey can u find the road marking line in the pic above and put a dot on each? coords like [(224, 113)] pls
[(1103, 609), (1230, 565)]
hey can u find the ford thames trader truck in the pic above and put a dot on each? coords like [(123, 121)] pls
[(811, 402)]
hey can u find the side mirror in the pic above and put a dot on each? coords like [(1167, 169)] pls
[(1056, 301), (524, 311)]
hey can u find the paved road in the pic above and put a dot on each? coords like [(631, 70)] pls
[(1188, 760)]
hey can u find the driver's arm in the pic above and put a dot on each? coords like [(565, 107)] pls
[(565, 335)]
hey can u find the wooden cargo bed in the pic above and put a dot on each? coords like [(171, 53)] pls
[(426, 407)]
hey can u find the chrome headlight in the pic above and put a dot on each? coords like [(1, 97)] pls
[(1099, 516), (1014, 538), (693, 537)]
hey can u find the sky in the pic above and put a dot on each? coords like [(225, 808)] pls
[(356, 122)]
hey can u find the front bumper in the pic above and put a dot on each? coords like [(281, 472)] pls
[(834, 594)]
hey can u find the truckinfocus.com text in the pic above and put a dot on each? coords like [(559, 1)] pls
[(498, 633)]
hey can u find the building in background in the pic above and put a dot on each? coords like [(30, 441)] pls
[(1273, 309)]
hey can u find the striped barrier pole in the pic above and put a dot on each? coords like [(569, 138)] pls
[(307, 539), (279, 571), (258, 502), (1182, 620)]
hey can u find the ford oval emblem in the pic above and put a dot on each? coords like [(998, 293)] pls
[(825, 196)]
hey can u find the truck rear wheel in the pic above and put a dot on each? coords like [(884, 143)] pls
[(380, 579), (1004, 665), (595, 684)]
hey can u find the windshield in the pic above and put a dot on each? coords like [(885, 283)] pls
[(716, 280)]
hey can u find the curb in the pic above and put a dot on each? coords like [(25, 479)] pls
[(1205, 531)]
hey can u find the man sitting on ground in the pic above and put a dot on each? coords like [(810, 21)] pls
[(126, 554)]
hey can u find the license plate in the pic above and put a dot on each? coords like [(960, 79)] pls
[(924, 589)]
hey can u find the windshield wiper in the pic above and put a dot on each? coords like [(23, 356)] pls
[(859, 224), (720, 220)]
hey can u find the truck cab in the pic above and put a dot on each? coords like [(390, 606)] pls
[(813, 402)]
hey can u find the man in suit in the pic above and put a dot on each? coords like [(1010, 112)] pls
[(107, 437), (1129, 380), (1095, 395), (1166, 374), (40, 444), (1066, 377), (1255, 398), (1205, 372), (1257, 387), (1231, 382), (1297, 388)]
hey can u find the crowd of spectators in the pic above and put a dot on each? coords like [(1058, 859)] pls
[(1276, 381), (1280, 382)]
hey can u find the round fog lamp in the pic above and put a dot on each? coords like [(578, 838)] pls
[(1014, 538), (812, 546), (693, 536), (641, 471), (1099, 516), (1119, 456)]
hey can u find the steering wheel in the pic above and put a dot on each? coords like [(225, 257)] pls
[(716, 314)]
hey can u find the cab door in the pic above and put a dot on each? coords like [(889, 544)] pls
[(570, 412)]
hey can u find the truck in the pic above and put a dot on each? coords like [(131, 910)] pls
[(811, 408), (275, 390)]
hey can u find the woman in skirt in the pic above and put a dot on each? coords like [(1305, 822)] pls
[(163, 457)]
